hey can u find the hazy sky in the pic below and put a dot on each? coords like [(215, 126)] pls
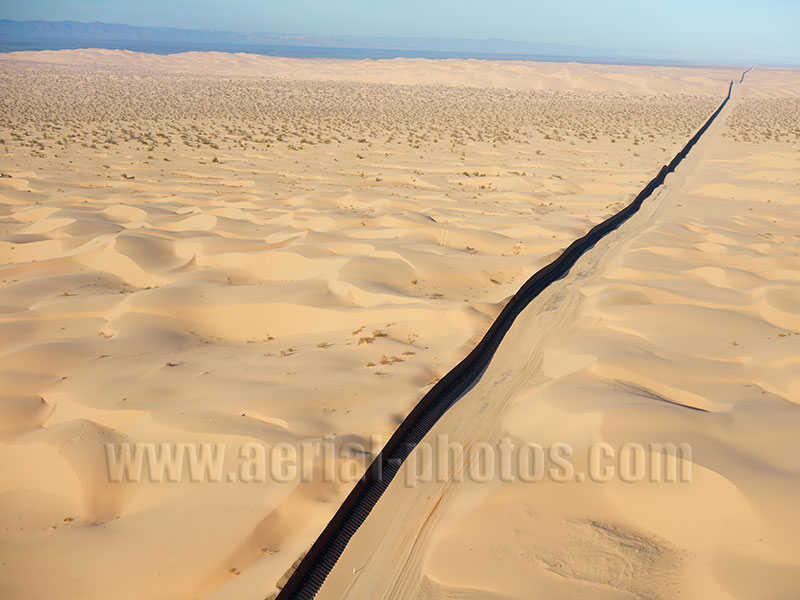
[(725, 28)]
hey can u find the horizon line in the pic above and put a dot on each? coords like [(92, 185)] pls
[(547, 50)]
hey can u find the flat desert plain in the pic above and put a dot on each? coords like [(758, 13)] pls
[(208, 251)]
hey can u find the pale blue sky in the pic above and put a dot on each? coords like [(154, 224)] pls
[(723, 28)]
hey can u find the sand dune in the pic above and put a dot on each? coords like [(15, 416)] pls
[(407, 71), (682, 328), (300, 250)]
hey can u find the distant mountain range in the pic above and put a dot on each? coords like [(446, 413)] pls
[(53, 35), (115, 32)]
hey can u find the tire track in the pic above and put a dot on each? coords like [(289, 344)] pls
[(313, 569)]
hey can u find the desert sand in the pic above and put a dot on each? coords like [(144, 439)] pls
[(682, 327), (211, 248)]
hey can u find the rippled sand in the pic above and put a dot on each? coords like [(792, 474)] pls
[(681, 328), (215, 248)]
